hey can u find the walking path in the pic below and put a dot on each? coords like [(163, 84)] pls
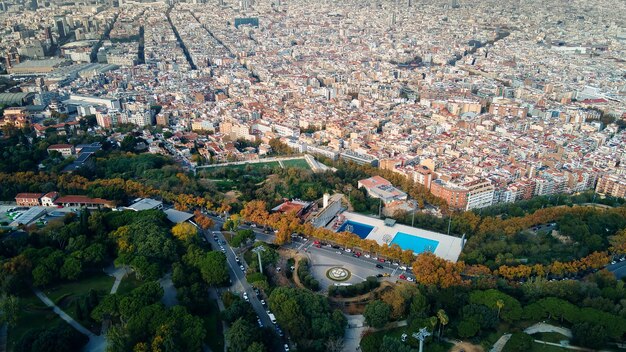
[(169, 291), (214, 295), (543, 327), (354, 331), (280, 162), (96, 343), (499, 345), (118, 273)]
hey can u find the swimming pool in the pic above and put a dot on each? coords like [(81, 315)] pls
[(356, 228), (415, 243)]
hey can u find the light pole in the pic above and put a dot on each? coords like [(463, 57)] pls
[(258, 251), (421, 336)]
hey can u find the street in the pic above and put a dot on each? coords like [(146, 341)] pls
[(239, 282)]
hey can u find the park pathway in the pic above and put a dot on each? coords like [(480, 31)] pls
[(96, 343), (543, 327), (354, 331), (220, 305), (118, 273), (499, 345), (169, 291)]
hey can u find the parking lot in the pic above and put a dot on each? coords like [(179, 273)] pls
[(325, 257)]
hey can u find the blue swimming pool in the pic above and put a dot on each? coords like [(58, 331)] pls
[(415, 243), (356, 228)]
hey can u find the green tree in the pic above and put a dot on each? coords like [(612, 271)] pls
[(9, 310), (213, 268), (391, 344), (443, 321), (377, 314), (71, 268), (467, 328), (588, 334), (241, 335), (256, 347), (519, 342)]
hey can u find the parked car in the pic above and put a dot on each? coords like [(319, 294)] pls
[(379, 266), (402, 267), (410, 279), (286, 348), (263, 303), (366, 255), (348, 250), (259, 322), (381, 260), (403, 277), (245, 297)]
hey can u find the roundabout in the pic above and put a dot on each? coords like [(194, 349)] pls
[(338, 274)]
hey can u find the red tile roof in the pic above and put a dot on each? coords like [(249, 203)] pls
[(28, 196), (82, 200)]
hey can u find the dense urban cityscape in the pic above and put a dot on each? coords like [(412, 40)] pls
[(285, 175)]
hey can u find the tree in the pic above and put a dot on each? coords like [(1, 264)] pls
[(184, 231), (9, 310), (256, 347), (71, 268), (467, 328), (500, 305), (519, 342), (241, 335), (202, 220), (588, 334), (432, 270), (443, 320), (398, 299), (213, 268), (391, 344), (377, 314)]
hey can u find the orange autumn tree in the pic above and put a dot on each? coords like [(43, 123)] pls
[(432, 270), (202, 220)]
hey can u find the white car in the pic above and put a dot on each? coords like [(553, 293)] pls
[(260, 322), (410, 279), (402, 267), (286, 348), (395, 263), (348, 250), (338, 252), (242, 268), (245, 297), (375, 258), (366, 255)]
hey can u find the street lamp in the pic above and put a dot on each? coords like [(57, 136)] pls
[(421, 336), (258, 251)]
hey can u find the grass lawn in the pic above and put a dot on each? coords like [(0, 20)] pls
[(242, 167), (98, 281), (297, 163), (213, 325), (33, 315), (129, 283), (67, 295)]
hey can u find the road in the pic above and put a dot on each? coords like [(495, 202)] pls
[(618, 269), (325, 256), (238, 278)]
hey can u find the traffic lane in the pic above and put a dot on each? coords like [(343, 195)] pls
[(618, 269), (349, 260), (243, 282), (232, 272)]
